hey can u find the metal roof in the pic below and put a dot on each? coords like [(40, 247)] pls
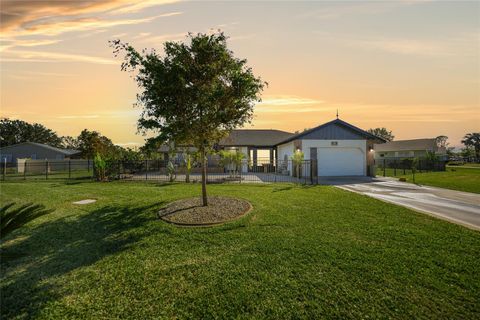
[(339, 122), (67, 152), (254, 137), (407, 145)]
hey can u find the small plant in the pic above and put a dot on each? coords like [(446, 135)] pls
[(171, 171), (12, 218), (100, 167), (414, 167), (297, 159), (231, 161), (189, 163)]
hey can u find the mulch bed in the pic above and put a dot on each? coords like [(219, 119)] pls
[(190, 212)]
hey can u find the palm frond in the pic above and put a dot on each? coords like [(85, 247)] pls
[(12, 218)]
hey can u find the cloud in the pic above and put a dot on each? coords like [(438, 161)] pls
[(42, 56), (7, 44), (140, 5), (360, 8), (15, 14), (406, 46), (88, 116), (461, 44), (288, 104), (155, 40), (53, 27), (287, 100)]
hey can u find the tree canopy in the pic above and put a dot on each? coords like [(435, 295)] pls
[(194, 93), (473, 140), (382, 133), (18, 131)]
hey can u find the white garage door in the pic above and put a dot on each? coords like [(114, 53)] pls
[(341, 162)]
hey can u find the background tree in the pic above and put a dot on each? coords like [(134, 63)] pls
[(92, 142), (382, 133), (18, 131), (442, 141), (195, 93), (69, 142), (473, 140)]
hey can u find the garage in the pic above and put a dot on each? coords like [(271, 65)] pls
[(341, 162), (339, 148)]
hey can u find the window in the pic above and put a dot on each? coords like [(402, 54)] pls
[(334, 143)]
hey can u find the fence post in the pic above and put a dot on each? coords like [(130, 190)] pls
[(46, 169), (69, 169), (146, 169), (384, 161), (88, 165), (25, 170), (395, 168), (4, 168)]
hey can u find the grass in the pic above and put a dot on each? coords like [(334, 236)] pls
[(456, 178), (303, 252)]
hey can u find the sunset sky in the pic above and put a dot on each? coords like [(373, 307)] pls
[(410, 66)]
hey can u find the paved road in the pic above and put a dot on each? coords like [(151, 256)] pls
[(455, 206)]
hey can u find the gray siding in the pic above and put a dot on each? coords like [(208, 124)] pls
[(333, 132), (29, 151)]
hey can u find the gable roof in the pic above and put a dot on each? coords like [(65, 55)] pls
[(67, 152), (407, 145), (254, 137), (338, 122)]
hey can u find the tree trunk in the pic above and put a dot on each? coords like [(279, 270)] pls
[(204, 177)]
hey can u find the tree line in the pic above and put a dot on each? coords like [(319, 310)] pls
[(88, 142)]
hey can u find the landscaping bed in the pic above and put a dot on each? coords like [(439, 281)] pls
[(191, 211)]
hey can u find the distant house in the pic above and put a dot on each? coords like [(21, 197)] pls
[(35, 151), (416, 148)]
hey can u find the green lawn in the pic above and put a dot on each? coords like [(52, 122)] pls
[(456, 178), (303, 252)]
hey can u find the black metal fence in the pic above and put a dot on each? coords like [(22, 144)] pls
[(245, 171), (403, 166), (47, 169)]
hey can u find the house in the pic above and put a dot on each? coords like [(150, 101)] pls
[(34, 151), (255, 144), (339, 148), (416, 148)]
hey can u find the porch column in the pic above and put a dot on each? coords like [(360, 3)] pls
[(254, 157)]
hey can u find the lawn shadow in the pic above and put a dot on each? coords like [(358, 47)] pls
[(58, 247)]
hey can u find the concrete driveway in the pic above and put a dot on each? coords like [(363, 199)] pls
[(455, 206)]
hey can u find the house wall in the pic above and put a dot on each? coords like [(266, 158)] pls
[(400, 154), (286, 149), (285, 152), (29, 151)]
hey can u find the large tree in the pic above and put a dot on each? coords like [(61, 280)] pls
[(473, 140), (382, 133), (194, 93), (92, 142), (17, 131)]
